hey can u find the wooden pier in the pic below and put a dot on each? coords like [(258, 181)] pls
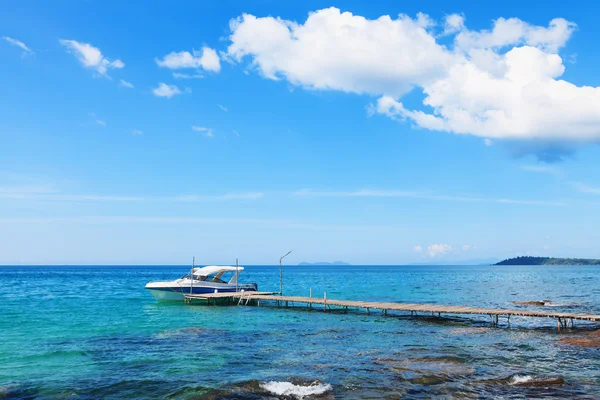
[(255, 298)]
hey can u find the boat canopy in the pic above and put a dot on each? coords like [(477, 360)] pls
[(215, 269)]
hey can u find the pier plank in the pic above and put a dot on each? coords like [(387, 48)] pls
[(433, 308)]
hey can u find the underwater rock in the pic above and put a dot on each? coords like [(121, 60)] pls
[(429, 370), (469, 331), (188, 331), (589, 340), (292, 389), (531, 303), (527, 380)]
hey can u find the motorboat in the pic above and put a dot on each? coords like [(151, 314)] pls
[(209, 279)]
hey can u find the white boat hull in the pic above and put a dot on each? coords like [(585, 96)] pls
[(164, 295)]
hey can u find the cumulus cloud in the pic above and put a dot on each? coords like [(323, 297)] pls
[(341, 51), (18, 43), (91, 57), (502, 84), (453, 23), (418, 249), (207, 132), (435, 250), (125, 84), (164, 90), (207, 59)]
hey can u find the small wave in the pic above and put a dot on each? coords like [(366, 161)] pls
[(520, 379), (297, 391)]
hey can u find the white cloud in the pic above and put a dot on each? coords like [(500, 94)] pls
[(453, 23), (418, 249), (467, 247), (178, 75), (500, 84), (513, 32), (435, 250), (164, 90), (222, 107), (136, 132), (488, 142), (208, 60), (48, 193), (584, 188), (208, 132), (18, 43), (366, 193), (91, 57), (542, 169), (96, 120), (341, 51), (125, 84)]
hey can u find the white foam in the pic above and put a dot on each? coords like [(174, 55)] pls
[(297, 391), (518, 379)]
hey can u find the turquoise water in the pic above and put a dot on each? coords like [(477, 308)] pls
[(95, 332)]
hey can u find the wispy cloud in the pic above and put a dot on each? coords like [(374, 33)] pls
[(222, 107), (91, 57), (164, 90), (279, 223), (126, 84), (208, 132), (97, 121), (48, 193), (18, 43), (584, 188), (422, 195), (178, 75), (542, 169), (28, 189), (136, 132)]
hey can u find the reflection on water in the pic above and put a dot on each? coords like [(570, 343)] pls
[(96, 333)]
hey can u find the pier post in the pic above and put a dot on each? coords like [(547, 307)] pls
[(324, 301)]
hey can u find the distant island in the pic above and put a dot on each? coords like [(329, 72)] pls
[(325, 263), (527, 260)]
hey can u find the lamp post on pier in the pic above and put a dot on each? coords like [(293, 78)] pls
[(281, 272)]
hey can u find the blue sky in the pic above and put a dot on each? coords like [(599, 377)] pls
[(147, 133)]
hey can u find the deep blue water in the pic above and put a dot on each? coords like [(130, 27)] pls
[(95, 332)]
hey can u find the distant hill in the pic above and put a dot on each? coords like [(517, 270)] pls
[(325, 263), (526, 260)]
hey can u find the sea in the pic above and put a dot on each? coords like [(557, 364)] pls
[(94, 332)]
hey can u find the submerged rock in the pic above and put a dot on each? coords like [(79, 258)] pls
[(429, 370), (470, 331), (188, 331), (531, 303), (289, 389), (527, 380), (589, 340)]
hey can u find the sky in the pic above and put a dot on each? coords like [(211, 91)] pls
[(148, 132)]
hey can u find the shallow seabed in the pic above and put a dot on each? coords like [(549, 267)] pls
[(95, 332)]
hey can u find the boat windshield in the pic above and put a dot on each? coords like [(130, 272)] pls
[(219, 277)]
